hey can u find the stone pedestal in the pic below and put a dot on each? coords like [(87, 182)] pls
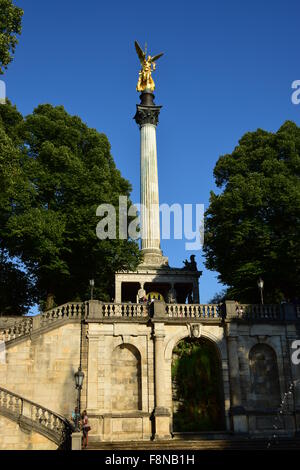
[(76, 440)]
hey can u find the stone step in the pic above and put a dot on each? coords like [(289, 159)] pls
[(216, 444)]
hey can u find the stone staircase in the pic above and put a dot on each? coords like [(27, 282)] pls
[(229, 444), (20, 329), (33, 417)]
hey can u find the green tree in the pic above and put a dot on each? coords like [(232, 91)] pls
[(67, 171), (17, 291), (253, 225), (10, 28), (196, 379)]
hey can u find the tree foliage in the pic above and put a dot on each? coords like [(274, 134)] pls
[(65, 170), (196, 387), (253, 225), (10, 28)]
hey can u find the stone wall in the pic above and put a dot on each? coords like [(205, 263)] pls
[(126, 379), (42, 369), (13, 438), (128, 383)]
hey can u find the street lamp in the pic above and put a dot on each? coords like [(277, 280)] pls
[(79, 376), (92, 284), (260, 284)]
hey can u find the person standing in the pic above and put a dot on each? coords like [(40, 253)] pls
[(76, 418), (85, 429)]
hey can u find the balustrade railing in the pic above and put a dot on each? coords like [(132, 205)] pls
[(94, 309), (46, 422), (19, 328), (204, 311), (258, 311), (66, 311), (25, 325), (123, 310)]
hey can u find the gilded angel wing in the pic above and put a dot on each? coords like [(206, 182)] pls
[(156, 57), (139, 52)]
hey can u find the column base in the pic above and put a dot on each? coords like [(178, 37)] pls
[(152, 257), (162, 424), (239, 420)]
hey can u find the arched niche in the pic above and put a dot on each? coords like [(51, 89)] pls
[(264, 377), (126, 384)]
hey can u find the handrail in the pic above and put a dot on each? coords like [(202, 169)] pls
[(25, 326), (258, 311), (21, 327), (39, 418)]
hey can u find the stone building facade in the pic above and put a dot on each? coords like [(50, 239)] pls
[(126, 351), (129, 353)]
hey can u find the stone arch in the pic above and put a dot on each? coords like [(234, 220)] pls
[(126, 378), (264, 377), (197, 386), (174, 340)]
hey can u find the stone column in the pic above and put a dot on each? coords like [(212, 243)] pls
[(118, 289), (149, 190), (161, 413), (147, 119), (239, 418)]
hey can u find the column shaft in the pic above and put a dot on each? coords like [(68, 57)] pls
[(159, 372), (149, 190)]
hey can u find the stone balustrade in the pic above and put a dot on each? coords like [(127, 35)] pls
[(26, 325), (35, 417), (66, 311), (258, 311), (20, 328), (204, 311), (97, 310), (123, 310)]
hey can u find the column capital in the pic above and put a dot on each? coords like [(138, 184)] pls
[(160, 336), (147, 115), (159, 331)]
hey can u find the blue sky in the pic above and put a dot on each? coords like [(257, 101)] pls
[(227, 69)]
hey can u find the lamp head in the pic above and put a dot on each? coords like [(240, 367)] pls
[(260, 283), (79, 376)]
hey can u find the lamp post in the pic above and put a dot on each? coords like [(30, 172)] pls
[(79, 376), (92, 285), (260, 284)]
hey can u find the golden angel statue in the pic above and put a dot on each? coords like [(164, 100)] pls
[(148, 66)]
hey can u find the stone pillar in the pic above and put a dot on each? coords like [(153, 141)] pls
[(76, 440), (118, 290), (92, 384), (147, 119), (149, 190), (161, 413), (239, 418)]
